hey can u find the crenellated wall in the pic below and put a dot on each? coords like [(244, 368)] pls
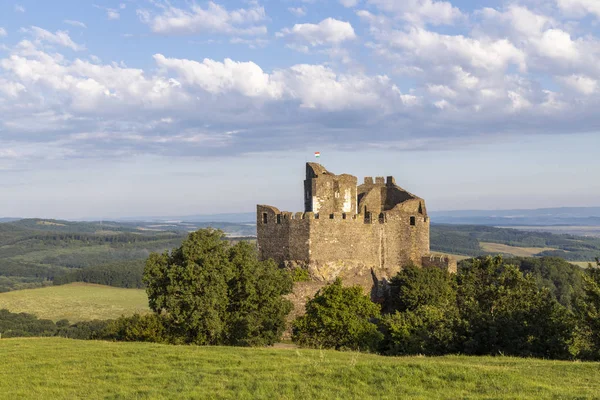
[(385, 242)]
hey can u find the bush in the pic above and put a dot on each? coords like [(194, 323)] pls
[(137, 328), (339, 317), (428, 330), (422, 314)]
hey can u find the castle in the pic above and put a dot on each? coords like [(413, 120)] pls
[(361, 233)]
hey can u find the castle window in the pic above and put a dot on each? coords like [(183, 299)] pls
[(264, 218), (413, 221), (381, 218), (367, 217), (278, 218), (344, 216), (331, 216)]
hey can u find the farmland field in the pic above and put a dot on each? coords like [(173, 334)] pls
[(67, 369), (76, 302), (513, 250)]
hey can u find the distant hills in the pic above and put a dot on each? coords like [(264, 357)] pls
[(239, 218), (564, 216)]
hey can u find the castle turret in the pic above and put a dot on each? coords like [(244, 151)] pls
[(327, 193)]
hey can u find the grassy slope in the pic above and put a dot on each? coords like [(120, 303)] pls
[(76, 302), (515, 251), (66, 369)]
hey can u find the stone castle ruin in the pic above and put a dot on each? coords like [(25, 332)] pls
[(363, 233)]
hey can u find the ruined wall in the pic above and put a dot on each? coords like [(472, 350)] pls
[(440, 261), (345, 245), (326, 193), (282, 236)]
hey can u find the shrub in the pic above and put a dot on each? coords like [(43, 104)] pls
[(339, 317)]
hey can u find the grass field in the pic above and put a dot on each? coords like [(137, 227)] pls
[(54, 368), (76, 302), (515, 251)]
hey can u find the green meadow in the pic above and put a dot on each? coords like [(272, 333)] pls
[(53, 368), (76, 302)]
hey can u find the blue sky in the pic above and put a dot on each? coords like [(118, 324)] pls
[(139, 107)]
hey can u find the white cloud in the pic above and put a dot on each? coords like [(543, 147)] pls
[(327, 32), (215, 77), (420, 11), (60, 38), (430, 49), (319, 87), (19, 8), (3, 32), (579, 8), (297, 11), (213, 19), (112, 14), (349, 3), (582, 84), (78, 24)]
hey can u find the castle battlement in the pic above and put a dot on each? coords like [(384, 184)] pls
[(376, 224)]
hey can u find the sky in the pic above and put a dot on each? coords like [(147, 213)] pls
[(131, 108)]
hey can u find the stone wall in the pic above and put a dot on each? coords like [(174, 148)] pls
[(345, 245)]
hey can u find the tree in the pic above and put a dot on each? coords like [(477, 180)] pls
[(339, 317), (506, 313), (212, 293), (588, 310), (256, 311), (422, 314), (414, 287)]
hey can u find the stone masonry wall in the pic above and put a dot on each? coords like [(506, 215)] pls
[(344, 245)]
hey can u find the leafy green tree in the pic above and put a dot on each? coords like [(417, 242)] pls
[(422, 314), (212, 293), (256, 311), (429, 330), (588, 309), (339, 317), (414, 287), (506, 313)]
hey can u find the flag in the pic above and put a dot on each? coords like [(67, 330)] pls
[(317, 154)]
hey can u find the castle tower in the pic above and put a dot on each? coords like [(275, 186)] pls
[(326, 193)]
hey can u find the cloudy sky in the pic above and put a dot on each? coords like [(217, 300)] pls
[(155, 107)]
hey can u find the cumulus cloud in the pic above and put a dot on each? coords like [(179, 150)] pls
[(60, 38), (420, 11), (579, 8), (582, 84), (212, 19), (330, 31), (19, 8), (3, 32)]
